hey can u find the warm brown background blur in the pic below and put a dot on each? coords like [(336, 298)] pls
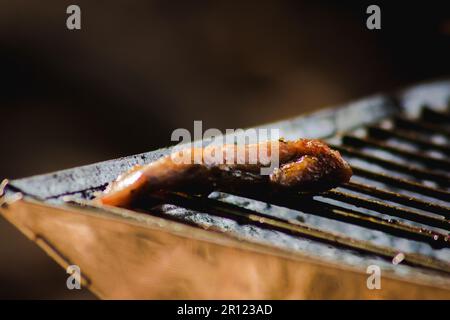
[(139, 69)]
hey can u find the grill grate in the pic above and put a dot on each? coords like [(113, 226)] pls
[(413, 202), (297, 228), (398, 200)]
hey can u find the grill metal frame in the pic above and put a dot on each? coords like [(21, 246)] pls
[(417, 271)]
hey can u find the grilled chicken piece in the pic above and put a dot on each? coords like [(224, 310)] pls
[(304, 165)]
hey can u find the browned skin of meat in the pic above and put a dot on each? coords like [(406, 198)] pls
[(305, 165)]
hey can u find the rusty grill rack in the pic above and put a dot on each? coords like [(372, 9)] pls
[(400, 191)]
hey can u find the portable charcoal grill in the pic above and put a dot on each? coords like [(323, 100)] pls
[(394, 214)]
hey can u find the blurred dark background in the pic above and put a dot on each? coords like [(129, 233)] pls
[(139, 69)]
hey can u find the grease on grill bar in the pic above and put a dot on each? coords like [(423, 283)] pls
[(374, 203)]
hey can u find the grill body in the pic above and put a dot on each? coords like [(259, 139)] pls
[(394, 214)]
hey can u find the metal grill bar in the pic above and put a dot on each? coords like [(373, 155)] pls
[(299, 229), (381, 133), (439, 222), (307, 205), (421, 126), (413, 171), (426, 160), (256, 187), (429, 114), (402, 183), (399, 198)]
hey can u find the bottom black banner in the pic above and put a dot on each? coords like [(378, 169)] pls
[(227, 309)]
